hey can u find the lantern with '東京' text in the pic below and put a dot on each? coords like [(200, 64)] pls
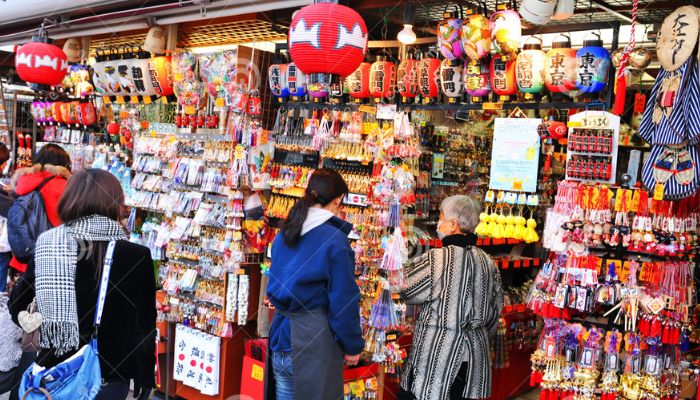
[(449, 35), (357, 83), (277, 76), (529, 69), (506, 31), (428, 78), (560, 66), (296, 81), (476, 79), (41, 63), (407, 78), (593, 64), (382, 78), (503, 78), (451, 80)]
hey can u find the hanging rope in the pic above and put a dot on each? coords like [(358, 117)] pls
[(621, 84)]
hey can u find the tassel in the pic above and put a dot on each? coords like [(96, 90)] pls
[(620, 94)]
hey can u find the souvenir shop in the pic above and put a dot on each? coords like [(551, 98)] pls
[(576, 123)]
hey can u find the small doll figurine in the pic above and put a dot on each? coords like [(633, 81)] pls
[(83, 88), (597, 238)]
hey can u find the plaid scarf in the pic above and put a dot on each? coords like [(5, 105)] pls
[(57, 253)]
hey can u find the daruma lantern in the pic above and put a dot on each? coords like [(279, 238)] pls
[(86, 113), (327, 38), (451, 80), (428, 76), (476, 35), (476, 79), (357, 83), (296, 81), (560, 66), (503, 77), (506, 31), (277, 79), (449, 35), (161, 73), (407, 78), (529, 69), (593, 63), (382, 78), (41, 63)]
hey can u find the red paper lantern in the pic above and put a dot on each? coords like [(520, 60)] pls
[(86, 113), (503, 77), (113, 128), (560, 67), (41, 63), (407, 78), (382, 78), (357, 83), (56, 111), (161, 74), (428, 77), (327, 38)]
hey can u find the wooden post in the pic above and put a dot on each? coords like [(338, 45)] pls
[(170, 37)]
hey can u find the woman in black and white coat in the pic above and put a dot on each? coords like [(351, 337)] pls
[(459, 291)]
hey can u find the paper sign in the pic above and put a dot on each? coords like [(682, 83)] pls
[(257, 373), (368, 109), (386, 111), (515, 154), (438, 165)]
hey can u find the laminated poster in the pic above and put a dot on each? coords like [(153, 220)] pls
[(515, 154)]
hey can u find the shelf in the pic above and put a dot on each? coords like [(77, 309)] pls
[(516, 262), (457, 107)]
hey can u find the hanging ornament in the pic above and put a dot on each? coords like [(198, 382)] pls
[(538, 12), (451, 80), (357, 83), (560, 66), (161, 74), (99, 76), (407, 77), (41, 63), (318, 86), (277, 76), (476, 35), (72, 49), (56, 111), (123, 73), (529, 68), (428, 78), (640, 58), (593, 63), (382, 78), (140, 75), (449, 34), (506, 31), (477, 83), (503, 78), (86, 113), (564, 10), (336, 90), (296, 82)]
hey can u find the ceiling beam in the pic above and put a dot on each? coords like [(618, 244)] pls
[(601, 4)]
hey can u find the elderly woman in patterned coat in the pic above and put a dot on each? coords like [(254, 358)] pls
[(459, 291)]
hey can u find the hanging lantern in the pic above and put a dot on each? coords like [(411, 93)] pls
[(357, 83), (86, 114), (161, 73), (140, 75), (99, 76), (407, 77), (69, 113), (155, 40), (336, 90), (56, 112), (318, 86), (538, 12), (110, 75), (123, 71), (296, 82), (428, 77), (564, 10), (529, 69), (113, 128), (477, 83), (505, 31), (560, 66), (451, 80), (327, 38), (41, 63), (277, 77), (503, 78), (476, 35), (593, 63), (382, 78), (449, 35), (639, 58), (72, 49)]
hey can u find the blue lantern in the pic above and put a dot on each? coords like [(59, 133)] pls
[(593, 64)]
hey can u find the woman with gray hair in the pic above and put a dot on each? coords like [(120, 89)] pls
[(459, 291)]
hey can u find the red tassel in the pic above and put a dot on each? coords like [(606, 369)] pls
[(544, 394), (620, 94)]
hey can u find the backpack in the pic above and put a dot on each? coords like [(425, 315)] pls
[(26, 220)]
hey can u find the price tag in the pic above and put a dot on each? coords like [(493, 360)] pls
[(597, 121), (640, 100), (573, 124), (492, 106), (189, 110), (659, 191), (368, 109), (257, 373), (219, 102), (386, 111)]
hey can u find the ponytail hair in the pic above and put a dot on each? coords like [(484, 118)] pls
[(325, 185)]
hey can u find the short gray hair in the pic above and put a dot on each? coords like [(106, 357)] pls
[(463, 209)]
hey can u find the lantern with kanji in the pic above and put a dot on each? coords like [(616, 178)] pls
[(382, 78), (593, 64), (56, 111), (123, 72), (451, 80), (503, 77), (560, 66), (336, 89), (428, 78), (476, 35), (86, 113), (449, 34), (506, 31), (296, 81), (476, 79), (161, 73), (529, 69), (41, 63), (357, 83), (277, 79), (141, 75), (407, 77)]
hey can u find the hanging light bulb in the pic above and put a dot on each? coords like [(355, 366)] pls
[(407, 36)]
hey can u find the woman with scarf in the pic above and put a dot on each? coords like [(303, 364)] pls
[(458, 289), (64, 277)]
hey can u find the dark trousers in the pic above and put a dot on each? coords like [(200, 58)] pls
[(118, 390), (456, 389), (25, 362)]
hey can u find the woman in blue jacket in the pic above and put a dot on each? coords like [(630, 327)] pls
[(316, 328)]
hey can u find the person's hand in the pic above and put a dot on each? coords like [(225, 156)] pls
[(142, 393), (351, 360)]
